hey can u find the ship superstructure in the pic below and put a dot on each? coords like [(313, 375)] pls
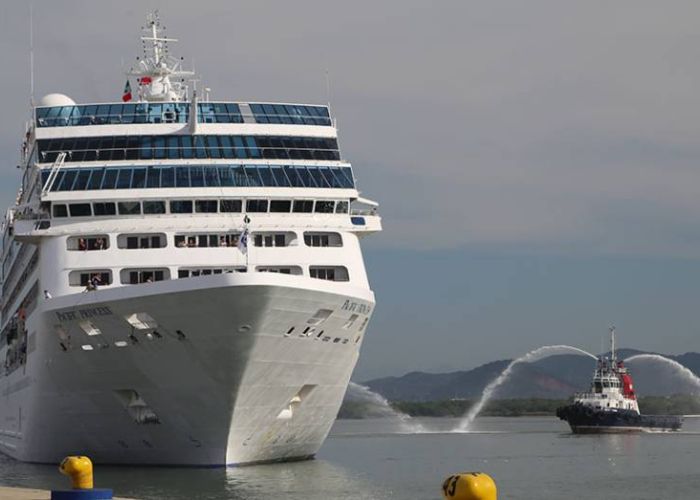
[(182, 279), (611, 405)]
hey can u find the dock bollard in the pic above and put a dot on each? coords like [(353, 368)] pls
[(469, 486), (79, 469)]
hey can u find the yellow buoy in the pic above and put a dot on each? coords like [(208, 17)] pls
[(79, 469), (469, 486)]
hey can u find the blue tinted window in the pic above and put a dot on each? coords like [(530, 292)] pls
[(226, 147), (252, 177), (234, 113), (128, 113), (225, 176), (138, 181), (211, 178), (270, 112), (167, 177), (67, 181), (201, 176), (96, 178), (141, 115), (265, 175), (181, 206), (293, 177), (110, 178), (59, 178), (200, 149), (252, 147), (187, 151), (146, 149), (213, 146), (206, 113), (155, 112), (196, 177), (330, 177), (279, 176), (239, 177), (159, 147), (124, 178), (256, 205), (53, 112), (346, 174), (102, 115), (169, 113), (259, 113), (153, 177), (305, 177), (182, 177), (318, 178), (240, 148), (82, 180), (173, 147), (149, 147), (295, 113), (115, 114)]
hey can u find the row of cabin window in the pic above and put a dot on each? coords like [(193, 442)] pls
[(157, 207), (290, 114), (211, 112), (137, 276), (231, 240), (112, 114), (192, 273), (185, 176), (159, 240), (174, 147)]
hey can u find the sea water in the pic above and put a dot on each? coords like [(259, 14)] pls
[(529, 458)]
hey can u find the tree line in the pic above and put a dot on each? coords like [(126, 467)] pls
[(679, 404)]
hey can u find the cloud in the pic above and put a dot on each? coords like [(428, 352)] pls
[(528, 126)]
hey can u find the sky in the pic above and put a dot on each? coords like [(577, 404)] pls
[(536, 163)]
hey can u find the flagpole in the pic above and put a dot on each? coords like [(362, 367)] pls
[(246, 221)]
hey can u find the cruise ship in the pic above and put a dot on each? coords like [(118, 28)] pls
[(182, 278)]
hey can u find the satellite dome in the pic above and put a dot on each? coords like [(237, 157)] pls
[(55, 100)]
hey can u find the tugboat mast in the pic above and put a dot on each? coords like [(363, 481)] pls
[(612, 345)]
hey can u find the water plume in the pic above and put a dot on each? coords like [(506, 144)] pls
[(685, 373), (490, 389), (379, 406)]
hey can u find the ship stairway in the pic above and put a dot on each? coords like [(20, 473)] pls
[(55, 168)]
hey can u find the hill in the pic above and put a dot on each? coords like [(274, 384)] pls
[(555, 377)]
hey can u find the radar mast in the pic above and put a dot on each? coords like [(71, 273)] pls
[(157, 71)]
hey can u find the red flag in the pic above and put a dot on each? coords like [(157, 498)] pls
[(145, 80), (126, 96)]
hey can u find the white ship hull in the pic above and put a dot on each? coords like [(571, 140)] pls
[(232, 388)]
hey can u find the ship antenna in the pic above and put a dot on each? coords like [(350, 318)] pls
[(612, 343), (31, 54)]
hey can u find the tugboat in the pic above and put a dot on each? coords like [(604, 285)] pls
[(611, 404)]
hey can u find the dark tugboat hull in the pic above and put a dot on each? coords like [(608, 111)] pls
[(585, 420)]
